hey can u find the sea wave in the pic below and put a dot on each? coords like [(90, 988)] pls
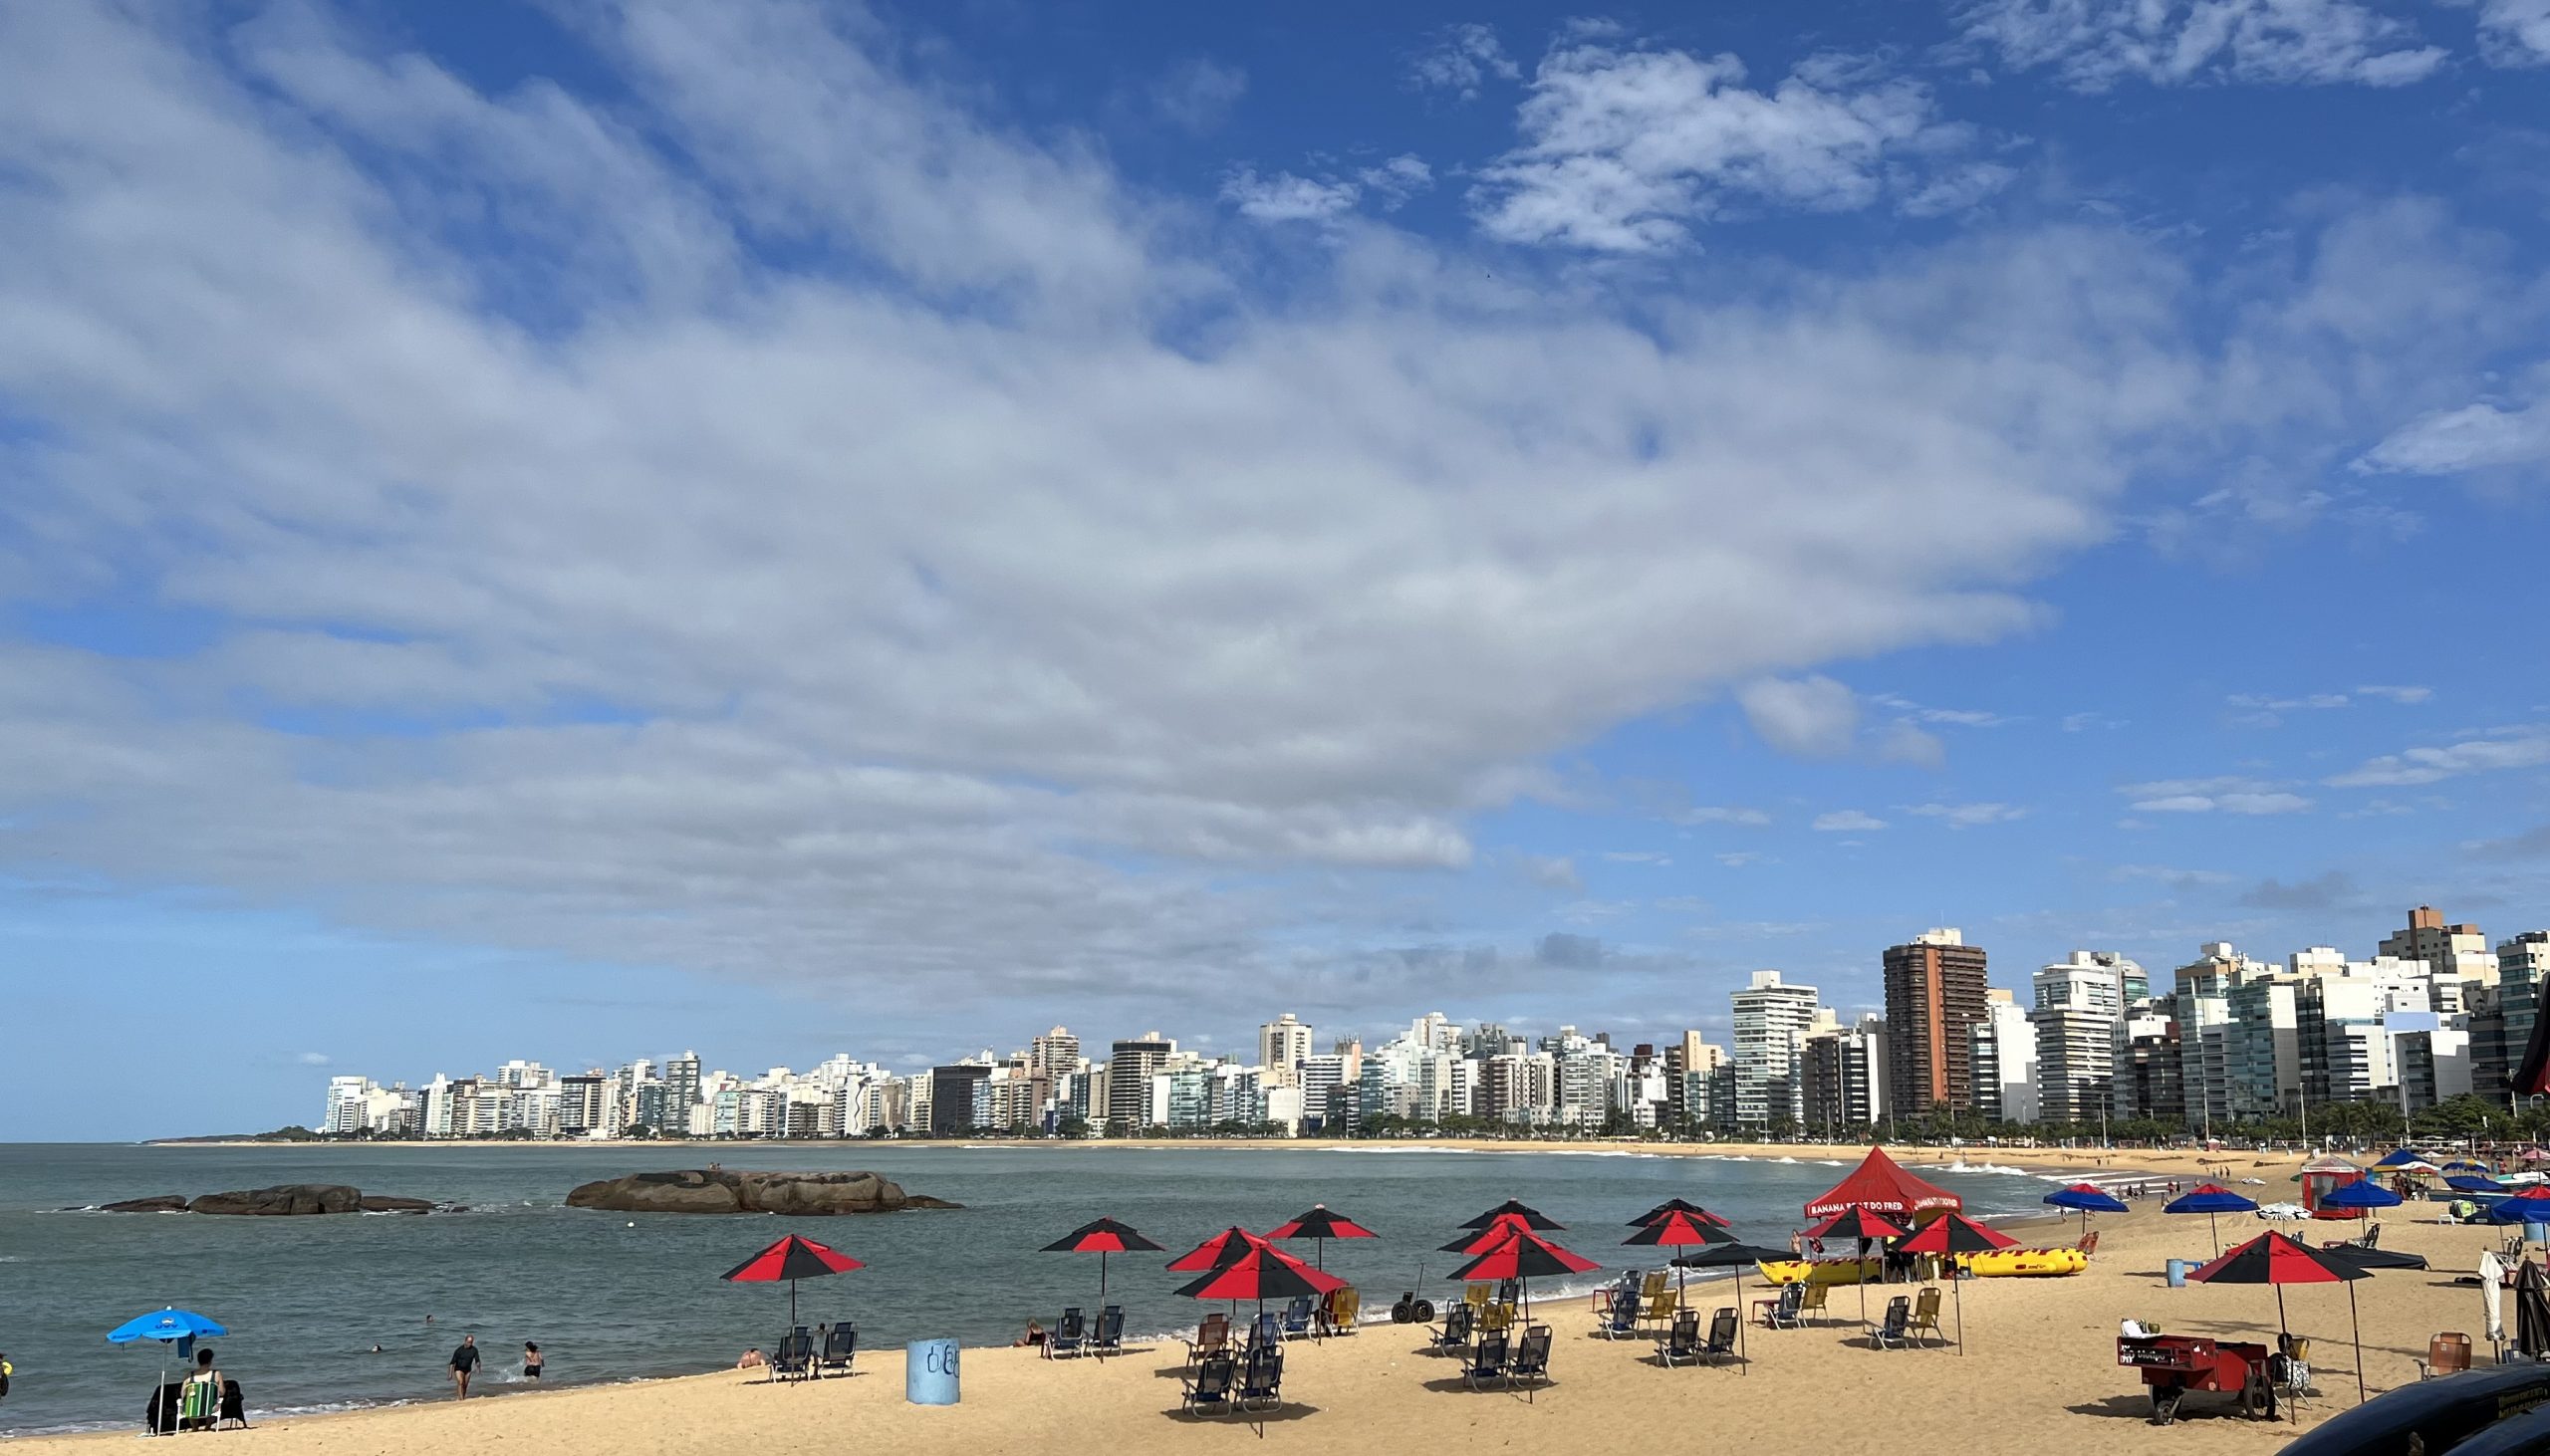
[(2000, 1169)]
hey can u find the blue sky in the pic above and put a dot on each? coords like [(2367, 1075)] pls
[(580, 531)]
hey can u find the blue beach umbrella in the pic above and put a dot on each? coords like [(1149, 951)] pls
[(2210, 1199), (2468, 1166), (168, 1327), (2089, 1198), (2471, 1183), (2405, 1157), (2361, 1193)]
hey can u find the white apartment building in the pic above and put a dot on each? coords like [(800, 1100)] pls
[(1772, 1019), (2079, 1007), (1282, 1046), (2004, 1059)]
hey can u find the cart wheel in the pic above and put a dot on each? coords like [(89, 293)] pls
[(2257, 1396), (2165, 1405), (1425, 1312)]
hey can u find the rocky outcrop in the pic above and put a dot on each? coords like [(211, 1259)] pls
[(720, 1190), (282, 1199)]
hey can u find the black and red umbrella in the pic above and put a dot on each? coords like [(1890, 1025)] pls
[(1953, 1233), (2279, 1260), (1218, 1252), (1321, 1223), (1677, 1205), (1522, 1255), (793, 1257), (1104, 1237), (1858, 1223), (1678, 1229), (1489, 1237), (1532, 1218), (1261, 1272)]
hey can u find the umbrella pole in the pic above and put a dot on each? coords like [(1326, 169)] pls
[(1956, 1287), (2356, 1328), (2215, 1228), (1862, 1267), (1744, 1362)]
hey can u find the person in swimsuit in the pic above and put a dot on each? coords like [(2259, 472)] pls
[(750, 1359), (531, 1360), (1034, 1335), (6, 1370), (464, 1361)]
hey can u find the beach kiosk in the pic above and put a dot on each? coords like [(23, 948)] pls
[(2325, 1175)]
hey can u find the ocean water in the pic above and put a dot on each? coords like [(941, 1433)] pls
[(614, 1296)]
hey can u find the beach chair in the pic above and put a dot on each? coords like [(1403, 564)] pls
[(1496, 1318), (1458, 1322), (1265, 1329), (1781, 1314), (1660, 1308), (841, 1347), (1209, 1392), (1531, 1359), (1297, 1318), (2447, 1353), (1681, 1343), (1475, 1296), (1925, 1315), (1509, 1291), (1261, 1379), (1070, 1336), (1899, 1314), (199, 1405), (1109, 1336), (1212, 1337), (1487, 1361), (793, 1359), (1344, 1306), (1620, 1321), (1654, 1283), (1812, 1302), (1722, 1334)]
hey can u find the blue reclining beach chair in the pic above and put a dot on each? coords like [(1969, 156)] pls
[(1898, 1315), (1261, 1379), (1620, 1319), (1110, 1334), (1722, 1334), (1209, 1390), (1532, 1359), (1681, 1343), (1069, 1337), (1790, 1312), (1297, 1318), (1265, 1329), (841, 1347), (793, 1359), (1487, 1362), (1455, 1333)]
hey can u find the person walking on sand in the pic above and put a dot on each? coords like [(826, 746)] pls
[(463, 1361)]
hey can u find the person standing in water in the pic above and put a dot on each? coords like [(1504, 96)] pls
[(531, 1360), (464, 1361)]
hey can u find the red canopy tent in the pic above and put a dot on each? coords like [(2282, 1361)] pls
[(1880, 1185)]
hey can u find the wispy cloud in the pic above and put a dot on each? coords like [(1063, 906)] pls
[(2226, 794), (1968, 815), (1847, 820), (2517, 748), (1461, 58), (1636, 856), (2095, 45)]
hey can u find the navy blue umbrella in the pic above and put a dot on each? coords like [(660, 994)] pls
[(2361, 1193), (2404, 1157), (2089, 1198), (2471, 1183), (2210, 1199)]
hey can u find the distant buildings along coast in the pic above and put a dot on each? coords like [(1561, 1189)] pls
[(2433, 1015)]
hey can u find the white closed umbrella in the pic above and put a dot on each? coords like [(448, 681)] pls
[(2492, 1293)]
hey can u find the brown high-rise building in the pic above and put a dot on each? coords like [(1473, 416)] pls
[(1935, 994)]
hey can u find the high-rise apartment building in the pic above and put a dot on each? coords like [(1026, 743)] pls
[(2001, 1048), (1771, 1022), (1130, 1067), (2450, 952), (1282, 1045), (2080, 1006), (1056, 1051), (682, 1090), (1841, 1076), (1935, 994)]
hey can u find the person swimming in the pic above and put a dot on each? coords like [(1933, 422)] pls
[(531, 1360)]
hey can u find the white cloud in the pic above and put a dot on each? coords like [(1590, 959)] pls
[(957, 596), (1811, 717), (1902, 743), (1721, 814), (313, 1059), (2095, 45), (1968, 815), (2473, 437), (1398, 179), (1847, 820), (1285, 197), (2522, 748), (1556, 871), (1637, 856), (1622, 148), (1738, 859), (2402, 695), (1461, 58), (1197, 95), (2515, 32), (1959, 188), (2226, 794)]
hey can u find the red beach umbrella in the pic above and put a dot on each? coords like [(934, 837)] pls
[(1952, 1234), (793, 1257), (1489, 1236), (1678, 1205), (1678, 1229), (2279, 1260), (1321, 1223), (1261, 1273), (1538, 1221), (1522, 1256), (1217, 1252), (1102, 1237)]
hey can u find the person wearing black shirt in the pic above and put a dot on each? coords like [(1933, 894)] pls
[(463, 1361)]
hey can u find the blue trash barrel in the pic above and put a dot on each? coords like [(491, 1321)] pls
[(2536, 1233), (2177, 1273), (930, 1372)]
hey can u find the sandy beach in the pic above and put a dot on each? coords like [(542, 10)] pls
[(2039, 1373)]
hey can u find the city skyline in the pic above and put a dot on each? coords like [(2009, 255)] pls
[(528, 526)]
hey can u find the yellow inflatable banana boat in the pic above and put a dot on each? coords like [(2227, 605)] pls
[(2000, 1264)]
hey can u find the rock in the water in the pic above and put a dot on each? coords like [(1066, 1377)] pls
[(283, 1198), (383, 1203), (165, 1203), (719, 1190)]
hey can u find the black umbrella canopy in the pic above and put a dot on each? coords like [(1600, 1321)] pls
[(1260, 1274), (2533, 1310), (1677, 1205), (1677, 1230), (1729, 1256), (1104, 1236), (1322, 1222), (1858, 1223), (1532, 1218)]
